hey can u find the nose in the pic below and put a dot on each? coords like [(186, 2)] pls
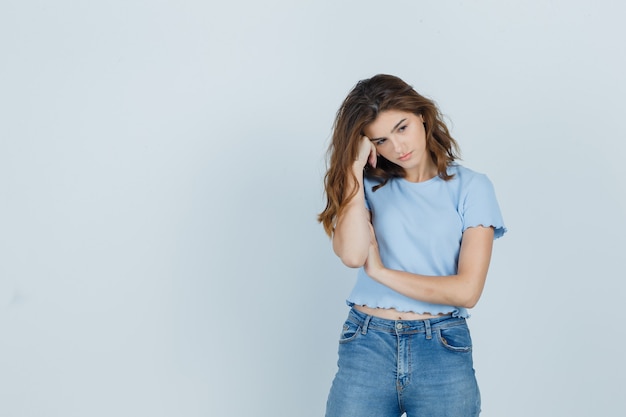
[(398, 146)]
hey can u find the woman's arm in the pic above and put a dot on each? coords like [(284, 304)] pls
[(351, 238), (462, 290)]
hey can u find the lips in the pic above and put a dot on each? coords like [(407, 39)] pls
[(405, 156)]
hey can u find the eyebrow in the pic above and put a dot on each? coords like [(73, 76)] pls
[(392, 130)]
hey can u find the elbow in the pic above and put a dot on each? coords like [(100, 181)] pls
[(351, 255), (469, 304), (352, 260), (469, 301), (469, 290)]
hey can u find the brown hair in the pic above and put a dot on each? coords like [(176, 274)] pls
[(365, 101)]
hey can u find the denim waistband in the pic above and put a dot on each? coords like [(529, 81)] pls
[(368, 322)]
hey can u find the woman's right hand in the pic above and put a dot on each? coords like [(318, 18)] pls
[(367, 153)]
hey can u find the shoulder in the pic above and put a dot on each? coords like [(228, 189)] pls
[(468, 183), (467, 177), (477, 200)]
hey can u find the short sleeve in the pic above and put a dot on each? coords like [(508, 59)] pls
[(480, 206)]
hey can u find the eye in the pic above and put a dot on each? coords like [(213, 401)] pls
[(402, 128), (379, 142)]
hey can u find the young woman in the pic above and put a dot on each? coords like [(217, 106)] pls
[(420, 228)]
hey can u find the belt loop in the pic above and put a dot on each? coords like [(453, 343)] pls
[(366, 323), (429, 334)]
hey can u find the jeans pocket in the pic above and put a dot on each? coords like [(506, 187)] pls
[(455, 338), (349, 332)]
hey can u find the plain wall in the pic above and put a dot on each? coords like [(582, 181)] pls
[(161, 170)]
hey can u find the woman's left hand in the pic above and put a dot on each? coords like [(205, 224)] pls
[(373, 263)]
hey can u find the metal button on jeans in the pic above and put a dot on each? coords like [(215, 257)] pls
[(398, 326)]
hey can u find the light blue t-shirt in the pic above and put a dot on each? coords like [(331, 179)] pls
[(419, 228)]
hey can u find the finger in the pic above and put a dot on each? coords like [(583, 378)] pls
[(372, 160), (372, 156)]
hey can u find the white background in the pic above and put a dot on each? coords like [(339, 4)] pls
[(161, 166)]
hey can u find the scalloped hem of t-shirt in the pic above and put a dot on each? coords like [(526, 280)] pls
[(498, 231), (456, 312)]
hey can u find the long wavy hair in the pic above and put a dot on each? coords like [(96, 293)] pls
[(363, 104)]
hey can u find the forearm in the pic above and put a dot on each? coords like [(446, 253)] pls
[(455, 290), (462, 289), (351, 238)]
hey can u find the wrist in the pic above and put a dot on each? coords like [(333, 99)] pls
[(376, 272), (380, 273), (358, 167)]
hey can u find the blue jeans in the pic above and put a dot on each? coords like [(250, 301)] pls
[(423, 368)]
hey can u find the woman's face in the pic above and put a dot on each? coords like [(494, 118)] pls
[(400, 137)]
